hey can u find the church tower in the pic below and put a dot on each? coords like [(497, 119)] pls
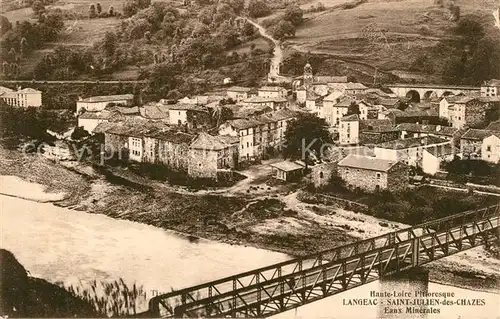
[(308, 75)]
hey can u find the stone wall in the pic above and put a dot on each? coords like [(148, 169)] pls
[(368, 137), (175, 156), (475, 113), (366, 180), (116, 145), (321, 174), (202, 164), (398, 178)]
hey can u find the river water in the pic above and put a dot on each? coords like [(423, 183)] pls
[(62, 245)]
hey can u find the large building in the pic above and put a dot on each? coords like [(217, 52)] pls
[(463, 111), (490, 148), (491, 88), (373, 174), (99, 103), (334, 109), (238, 93), (272, 91), (26, 97)]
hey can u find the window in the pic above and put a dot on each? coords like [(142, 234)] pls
[(247, 144), (488, 149), (321, 175), (378, 175), (179, 113)]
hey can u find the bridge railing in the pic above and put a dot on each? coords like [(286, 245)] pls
[(217, 287)]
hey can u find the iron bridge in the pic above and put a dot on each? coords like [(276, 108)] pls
[(286, 285)]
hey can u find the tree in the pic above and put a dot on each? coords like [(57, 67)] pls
[(79, 133), (92, 11), (470, 29), (258, 8), (143, 4), (283, 30), (109, 43), (111, 11), (294, 14), (23, 46), (130, 8), (306, 135), (5, 25), (38, 7), (353, 109), (98, 8)]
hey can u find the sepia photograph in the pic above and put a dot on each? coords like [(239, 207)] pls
[(281, 159)]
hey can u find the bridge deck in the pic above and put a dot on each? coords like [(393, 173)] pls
[(434, 86), (276, 288)]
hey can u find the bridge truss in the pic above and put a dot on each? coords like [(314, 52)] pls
[(283, 286)]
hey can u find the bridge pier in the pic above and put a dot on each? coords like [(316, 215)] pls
[(406, 284)]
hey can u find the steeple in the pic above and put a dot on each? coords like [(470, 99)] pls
[(308, 74)]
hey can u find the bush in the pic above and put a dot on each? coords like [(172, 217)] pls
[(258, 8)]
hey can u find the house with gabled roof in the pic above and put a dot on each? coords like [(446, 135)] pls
[(210, 155), (490, 148), (98, 103), (373, 174), (238, 93), (349, 130), (471, 142), (26, 97)]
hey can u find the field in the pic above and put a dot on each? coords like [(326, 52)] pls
[(388, 34)]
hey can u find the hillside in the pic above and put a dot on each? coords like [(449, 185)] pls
[(387, 34)]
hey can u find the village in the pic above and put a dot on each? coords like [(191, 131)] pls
[(379, 136)]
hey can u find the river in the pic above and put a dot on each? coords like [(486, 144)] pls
[(69, 246)]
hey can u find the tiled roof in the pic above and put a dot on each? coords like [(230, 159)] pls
[(123, 110), (354, 86), (239, 89), (261, 99), (345, 102), (412, 142), (388, 101), (243, 124), (424, 128), (286, 166), (350, 118), (272, 88), (29, 90), (154, 112), (367, 162), (465, 99), (494, 126), (493, 82), (205, 141), (108, 98), (4, 89), (311, 95), (187, 107), (333, 96), (331, 79), (441, 150), (172, 136), (476, 134)]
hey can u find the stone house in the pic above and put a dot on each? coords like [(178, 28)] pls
[(349, 88), (335, 111), (374, 131), (272, 91), (314, 104), (471, 142), (191, 115), (349, 130), (409, 150), (169, 148), (238, 93), (463, 111), (490, 148), (258, 135), (373, 174), (209, 155), (321, 173), (89, 120), (276, 103)]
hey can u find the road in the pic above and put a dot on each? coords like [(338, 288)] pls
[(277, 58)]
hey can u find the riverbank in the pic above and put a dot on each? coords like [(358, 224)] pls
[(278, 222)]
